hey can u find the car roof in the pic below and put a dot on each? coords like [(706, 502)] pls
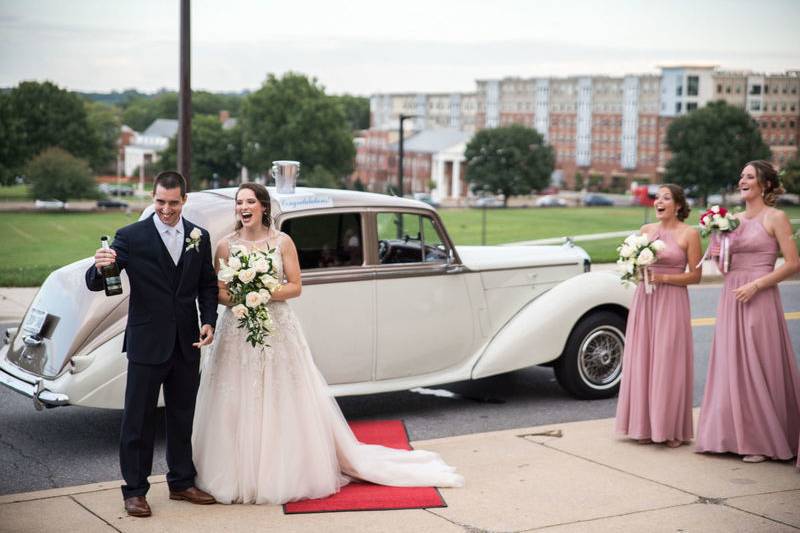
[(308, 198)]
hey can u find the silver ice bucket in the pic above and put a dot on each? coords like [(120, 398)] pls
[(285, 174)]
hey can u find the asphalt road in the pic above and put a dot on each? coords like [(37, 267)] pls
[(75, 445)]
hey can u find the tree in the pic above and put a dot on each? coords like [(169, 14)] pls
[(292, 118), (711, 145), (510, 160), (104, 121), (214, 150), (141, 111), (790, 175), (55, 173), (356, 109), (39, 115)]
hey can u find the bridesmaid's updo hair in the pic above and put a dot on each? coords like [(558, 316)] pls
[(262, 195), (679, 197), (767, 177)]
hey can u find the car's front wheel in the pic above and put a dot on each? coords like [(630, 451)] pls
[(591, 365)]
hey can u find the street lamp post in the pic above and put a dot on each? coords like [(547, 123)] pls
[(400, 151)]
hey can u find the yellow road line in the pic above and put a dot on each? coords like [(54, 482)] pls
[(794, 315)]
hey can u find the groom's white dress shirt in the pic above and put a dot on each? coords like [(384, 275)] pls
[(172, 237)]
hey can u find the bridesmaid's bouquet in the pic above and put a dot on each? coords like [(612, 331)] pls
[(635, 254), (251, 278), (720, 222)]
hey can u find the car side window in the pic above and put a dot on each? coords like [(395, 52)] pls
[(326, 241), (409, 238)]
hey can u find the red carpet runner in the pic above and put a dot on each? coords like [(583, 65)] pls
[(360, 496)]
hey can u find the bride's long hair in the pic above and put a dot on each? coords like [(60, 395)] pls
[(262, 195)]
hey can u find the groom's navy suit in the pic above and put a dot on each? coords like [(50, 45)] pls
[(162, 325)]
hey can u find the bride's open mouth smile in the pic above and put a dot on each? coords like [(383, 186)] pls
[(246, 216)]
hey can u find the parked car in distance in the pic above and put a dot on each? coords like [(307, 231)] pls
[(488, 200), (112, 204), (550, 201), (425, 197), (389, 303), (115, 190), (50, 204), (597, 200)]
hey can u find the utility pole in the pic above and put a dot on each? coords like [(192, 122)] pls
[(185, 96)]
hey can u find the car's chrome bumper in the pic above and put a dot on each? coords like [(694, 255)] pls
[(41, 397)]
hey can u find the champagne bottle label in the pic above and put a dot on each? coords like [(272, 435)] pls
[(111, 279)]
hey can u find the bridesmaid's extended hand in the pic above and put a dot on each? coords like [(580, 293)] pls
[(746, 291)]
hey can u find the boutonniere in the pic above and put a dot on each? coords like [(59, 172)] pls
[(193, 240)]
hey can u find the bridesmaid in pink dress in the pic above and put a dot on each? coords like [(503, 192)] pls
[(751, 405), (655, 396)]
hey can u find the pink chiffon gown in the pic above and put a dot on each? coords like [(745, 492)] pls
[(751, 404), (655, 397)]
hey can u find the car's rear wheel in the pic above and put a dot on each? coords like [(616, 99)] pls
[(591, 365)]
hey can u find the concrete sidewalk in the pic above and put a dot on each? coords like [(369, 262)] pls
[(564, 477)]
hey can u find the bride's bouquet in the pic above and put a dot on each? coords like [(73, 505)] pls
[(636, 253), (251, 278), (719, 221)]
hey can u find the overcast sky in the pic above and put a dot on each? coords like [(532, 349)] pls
[(368, 46)]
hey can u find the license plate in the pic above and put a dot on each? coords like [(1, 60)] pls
[(35, 321)]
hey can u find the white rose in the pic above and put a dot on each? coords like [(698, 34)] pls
[(724, 224), (706, 220), (626, 250), (646, 257), (239, 311), (630, 239), (247, 275), (253, 299), (641, 240), (195, 234), (226, 275), (234, 263), (261, 265), (658, 245), (265, 295), (237, 249), (715, 209), (270, 282)]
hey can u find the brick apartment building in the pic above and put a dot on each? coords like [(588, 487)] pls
[(606, 131)]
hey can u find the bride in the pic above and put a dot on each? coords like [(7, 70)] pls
[(266, 429)]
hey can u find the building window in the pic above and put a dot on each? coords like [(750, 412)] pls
[(679, 90), (728, 89), (755, 89), (719, 88), (678, 107), (766, 89), (738, 89), (755, 106), (691, 106), (692, 85)]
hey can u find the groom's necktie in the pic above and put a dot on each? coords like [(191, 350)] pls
[(173, 246)]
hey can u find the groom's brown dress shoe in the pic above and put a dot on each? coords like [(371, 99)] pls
[(137, 506), (193, 495)]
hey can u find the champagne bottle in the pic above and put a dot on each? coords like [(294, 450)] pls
[(111, 280)]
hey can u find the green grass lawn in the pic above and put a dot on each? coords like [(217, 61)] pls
[(14, 193), (33, 244)]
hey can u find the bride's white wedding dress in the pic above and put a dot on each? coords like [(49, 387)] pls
[(267, 430)]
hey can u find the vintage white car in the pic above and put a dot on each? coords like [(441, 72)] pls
[(388, 303)]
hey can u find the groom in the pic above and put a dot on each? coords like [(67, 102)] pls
[(168, 260)]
